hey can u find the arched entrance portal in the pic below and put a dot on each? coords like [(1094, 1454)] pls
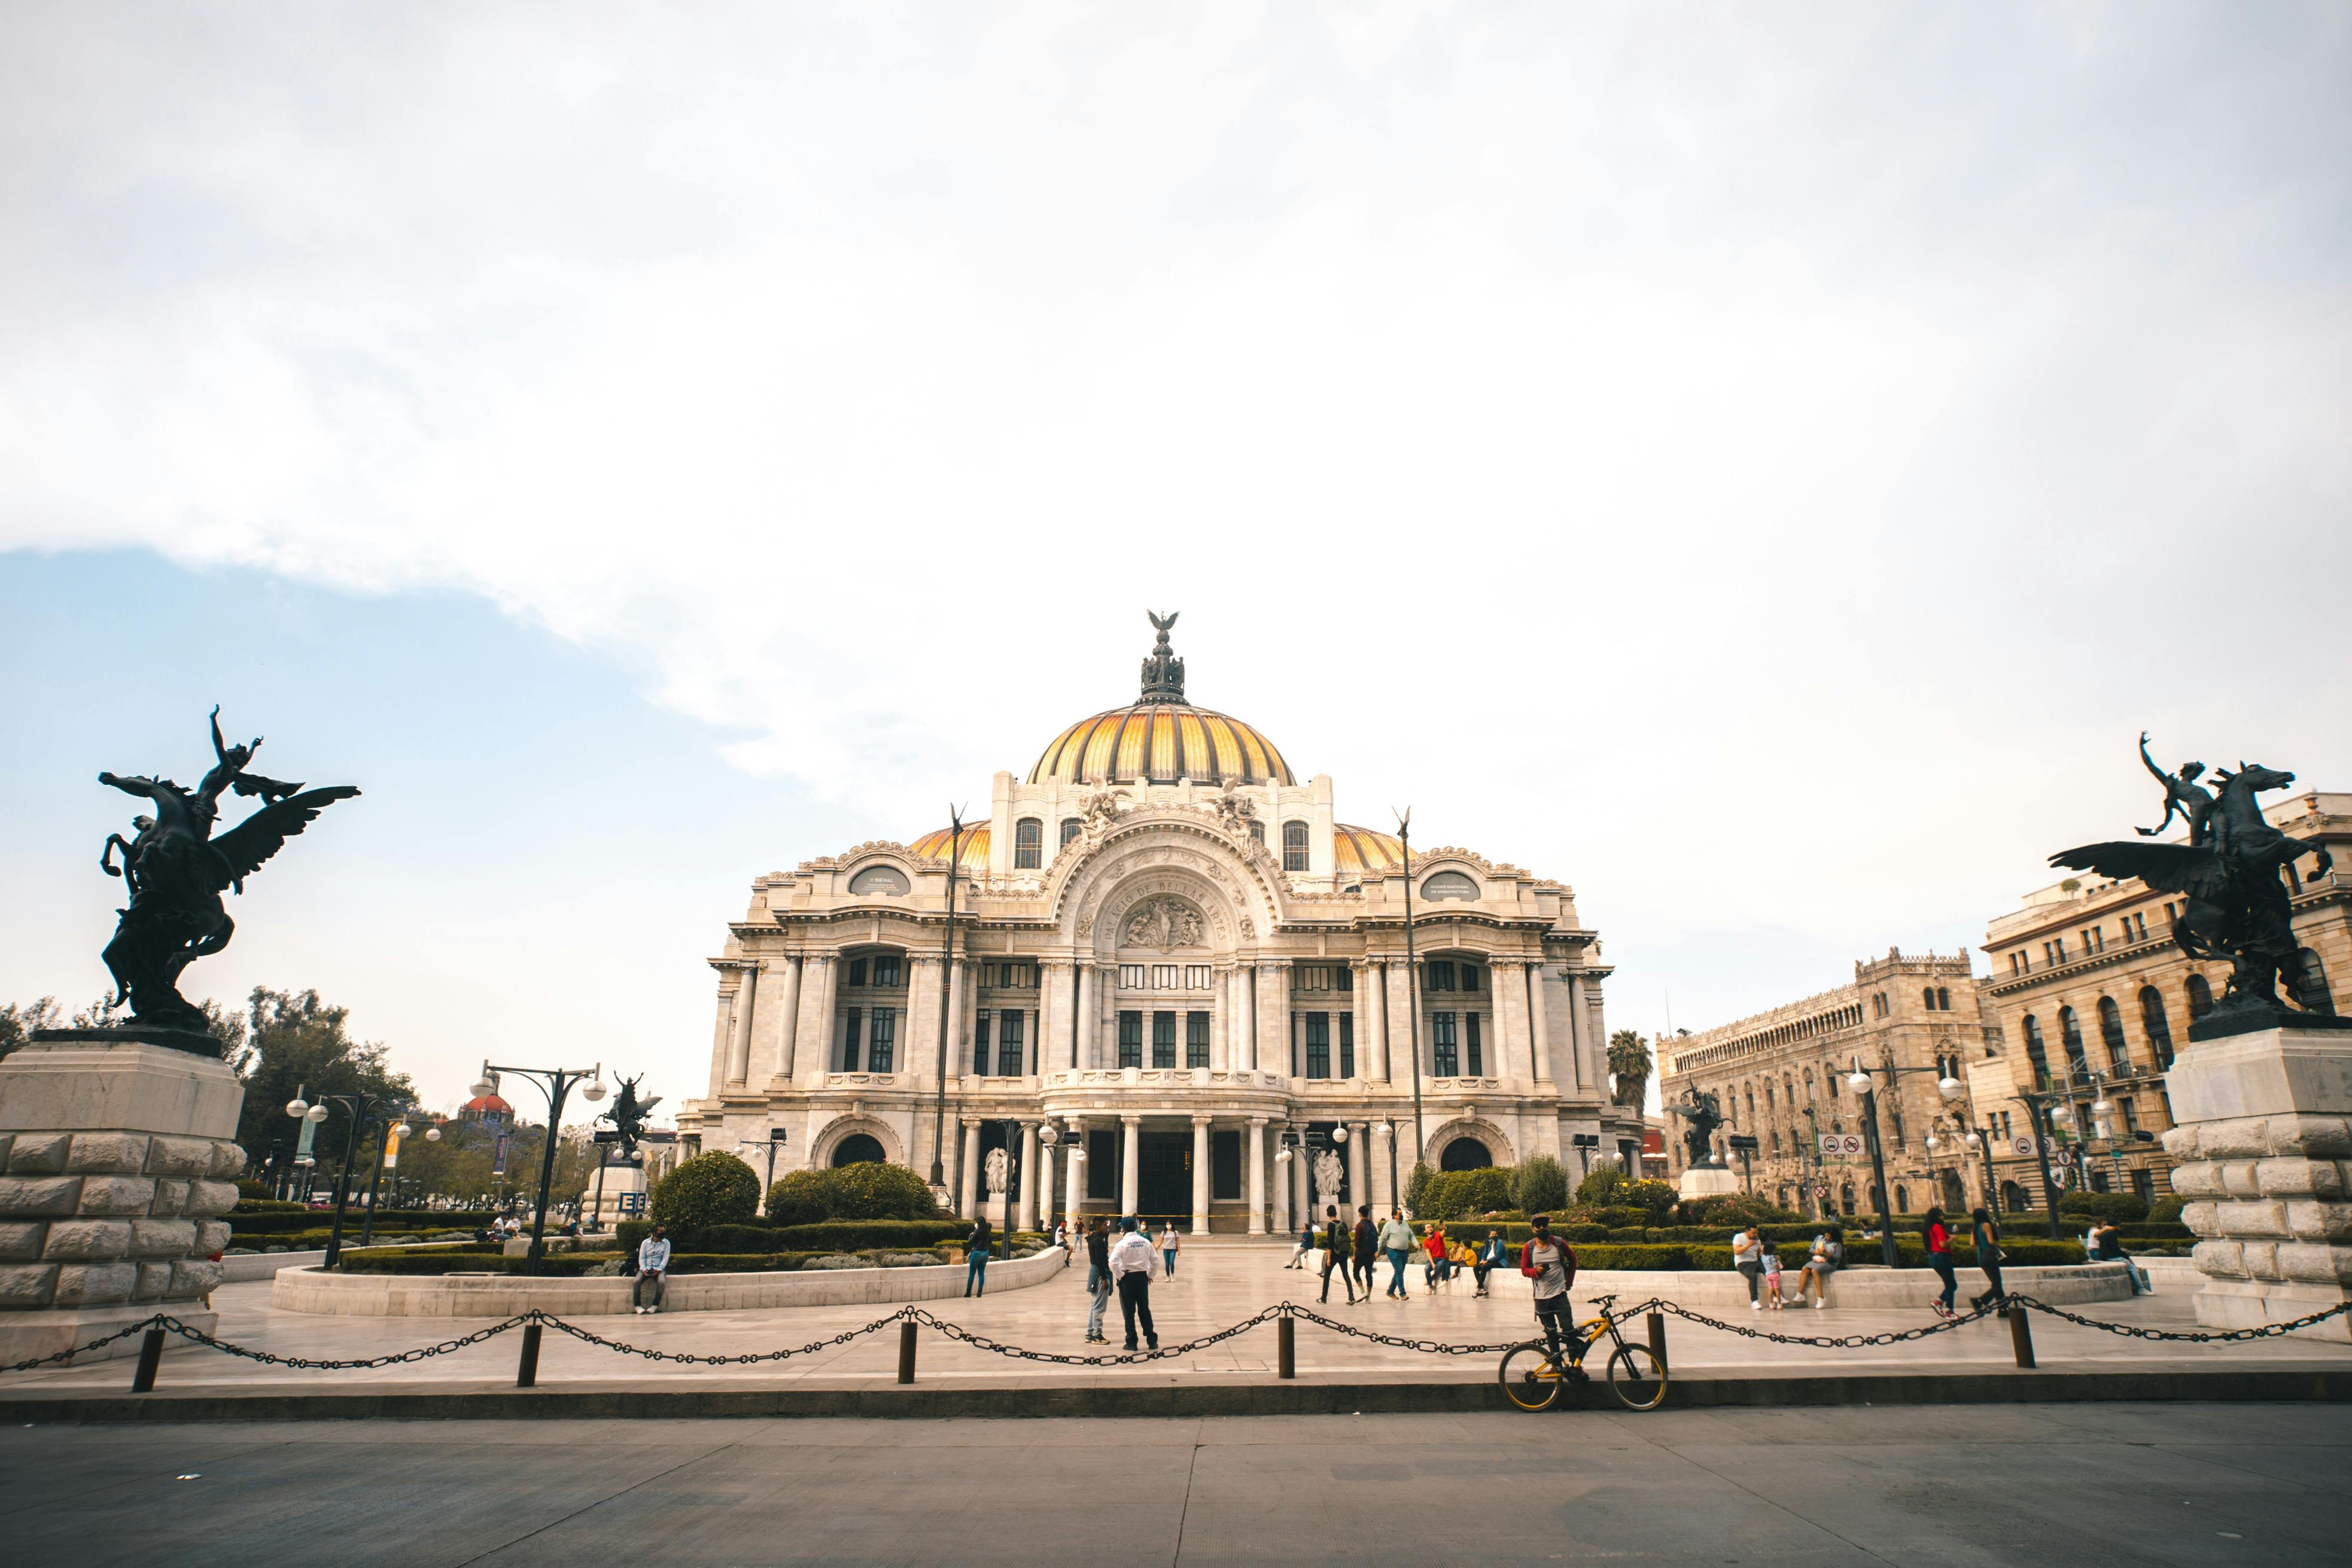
[(859, 1149), (1465, 1155)]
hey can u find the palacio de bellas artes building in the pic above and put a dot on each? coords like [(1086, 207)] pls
[(1170, 952)]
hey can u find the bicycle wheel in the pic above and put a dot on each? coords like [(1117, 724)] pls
[(1636, 1378), (1530, 1380)]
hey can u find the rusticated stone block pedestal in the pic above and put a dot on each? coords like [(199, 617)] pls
[(2265, 1137), (116, 1169)]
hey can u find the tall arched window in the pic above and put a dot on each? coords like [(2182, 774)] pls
[(1944, 998), (2158, 1027), (2038, 1053), (1028, 844), (1070, 826), (1901, 1198), (2070, 1035), (1927, 998), (1294, 846), (2111, 1033), (1846, 1197), (2200, 998)]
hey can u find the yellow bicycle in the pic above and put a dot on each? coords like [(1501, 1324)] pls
[(1532, 1376)]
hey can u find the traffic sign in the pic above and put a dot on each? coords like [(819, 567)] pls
[(2025, 1146), (1820, 1192)]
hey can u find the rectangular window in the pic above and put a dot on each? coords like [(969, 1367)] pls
[(1470, 1045), (1014, 976), (1441, 977), (1343, 978), (1347, 1045), (1196, 976), (1470, 977), (1318, 1045), (1010, 1041), (887, 972), (1164, 976), (2131, 1115), (1163, 1040), (1441, 1062), (2143, 1182), (1102, 1163), (1131, 1040), (856, 972), (2059, 945), (1130, 977), (883, 1047), (979, 1043), (849, 1043), (1196, 1040), (1225, 1166), (1294, 846)]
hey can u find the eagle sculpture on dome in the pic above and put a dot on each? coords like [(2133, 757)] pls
[(1163, 673)]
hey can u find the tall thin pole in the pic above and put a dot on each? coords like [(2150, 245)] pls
[(1412, 985), (947, 980), (562, 1083)]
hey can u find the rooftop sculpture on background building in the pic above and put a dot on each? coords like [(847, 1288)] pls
[(2237, 908), (1706, 1113), (176, 872)]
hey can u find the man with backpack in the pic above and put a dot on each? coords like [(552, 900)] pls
[(1550, 1262), (1337, 1237)]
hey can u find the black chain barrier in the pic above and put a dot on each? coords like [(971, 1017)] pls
[(958, 1333)]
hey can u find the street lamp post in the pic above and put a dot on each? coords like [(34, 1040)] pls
[(556, 1084), (1863, 1081), (1744, 1145), (947, 982), (1387, 1132), (363, 1109), (776, 1138), (2042, 1105), (1411, 983)]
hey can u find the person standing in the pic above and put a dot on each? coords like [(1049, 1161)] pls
[(1748, 1256), (1097, 1279), (1551, 1264), (1396, 1240), (1167, 1245), (653, 1260), (1365, 1247), (1335, 1242), (1772, 1297), (1133, 1261), (1986, 1237), (1490, 1257), (976, 1245), (1940, 1259)]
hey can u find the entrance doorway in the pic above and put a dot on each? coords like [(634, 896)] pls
[(1163, 1185)]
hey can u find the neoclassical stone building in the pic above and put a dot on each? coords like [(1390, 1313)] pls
[(1170, 950)]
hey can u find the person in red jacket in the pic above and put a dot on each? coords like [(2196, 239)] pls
[(1550, 1262)]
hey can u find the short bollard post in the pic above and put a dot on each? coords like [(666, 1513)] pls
[(2020, 1336), (1285, 1346), (526, 1374), (150, 1354), (907, 1350), (1658, 1339)]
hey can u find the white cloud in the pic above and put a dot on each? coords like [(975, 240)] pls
[(1761, 467)]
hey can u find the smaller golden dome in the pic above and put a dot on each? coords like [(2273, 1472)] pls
[(1362, 849), (933, 846)]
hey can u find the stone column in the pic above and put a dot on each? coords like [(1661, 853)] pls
[(1576, 1028), (814, 1051), (1088, 1007), (1380, 1067), (1282, 1181), (1028, 1175), (789, 1006), (1538, 1019), (738, 1032), (1273, 1016), (1257, 1176), (1514, 1056), (1245, 1048), (1219, 1023), (2263, 1127), (1130, 1154), (120, 1165), (1200, 1176), (968, 1180), (1049, 1194), (1056, 1010), (1075, 1167), (1384, 1196), (1360, 1138), (958, 1051)]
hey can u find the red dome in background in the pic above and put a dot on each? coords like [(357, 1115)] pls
[(486, 1106)]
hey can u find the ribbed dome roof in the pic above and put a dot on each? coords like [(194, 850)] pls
[(933, 846), (1160, 743), (1361, 849)]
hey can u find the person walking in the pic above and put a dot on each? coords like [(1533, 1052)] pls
[(1365, 1247), (1490, 1257), (1985, 1236), (653, 1261), (1133, 1261), (1940, 1259), (1748, 1256), (1099, 1285), (1396, 1240), (1336, 1241), (1167, 1245), (975, 1252), (1551, 1264)]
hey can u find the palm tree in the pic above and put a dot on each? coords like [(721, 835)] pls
[(1629, 1059)]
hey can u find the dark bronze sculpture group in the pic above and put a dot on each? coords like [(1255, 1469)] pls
[(2236, 908), (177, 870)]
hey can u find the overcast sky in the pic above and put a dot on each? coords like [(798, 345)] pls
[(1761, 465)]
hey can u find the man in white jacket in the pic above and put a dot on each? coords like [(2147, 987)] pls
[(1133, 1263)]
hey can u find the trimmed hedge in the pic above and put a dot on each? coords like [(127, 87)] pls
[(578, 1265), (832, 1236), (251, 1221), (2116, 1205), (867, 1190)]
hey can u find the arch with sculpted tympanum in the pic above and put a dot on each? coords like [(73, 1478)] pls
[(831, 1136), (1178, 855), (1478, 1127)]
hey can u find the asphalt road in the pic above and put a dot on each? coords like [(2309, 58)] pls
[(2078, 1485)]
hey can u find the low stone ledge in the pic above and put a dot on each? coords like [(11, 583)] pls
[(312, 1290)]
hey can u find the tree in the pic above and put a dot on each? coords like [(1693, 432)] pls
[(1540, 1185), (715, 1188), (1629, 1059), (17, 1023), (289, 1040)]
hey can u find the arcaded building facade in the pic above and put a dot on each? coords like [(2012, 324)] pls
[(1170, 950)]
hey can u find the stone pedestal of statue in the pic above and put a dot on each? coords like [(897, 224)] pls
[(1707, 1181), (2263, 1134), (999, 1209), (623, 1196), (117, 1171)]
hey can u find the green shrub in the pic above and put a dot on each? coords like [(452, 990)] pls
[(1451, 1195), (260, 1202), (262, 1220), (1733, 1211), (1539, 1186), (802, 1197), (832, 1236), (2165, 1211), (2116, 1205), (1603, 1189), (873, 1190), (715, 1188), (1416, 1190)]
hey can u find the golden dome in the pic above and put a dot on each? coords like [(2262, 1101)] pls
[(1361, 849), (933, 846), (1160, 743)]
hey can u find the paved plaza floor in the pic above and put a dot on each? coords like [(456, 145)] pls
[(2069, 1486), (1214, 1287)]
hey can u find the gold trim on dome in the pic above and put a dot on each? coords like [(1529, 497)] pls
[(1160, 743), (1361, 849), (933, 846)]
